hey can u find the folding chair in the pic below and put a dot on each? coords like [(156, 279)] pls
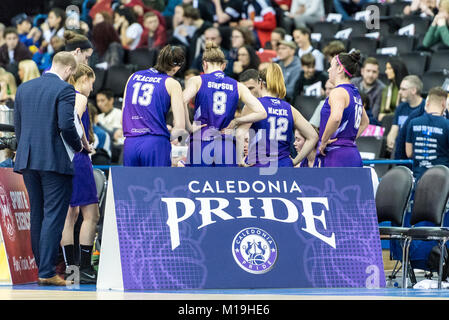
[(429, 204), (392, 200)]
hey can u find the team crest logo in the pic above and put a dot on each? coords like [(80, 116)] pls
[(254, 250), (219, 75), (275, 101), (6, 214)]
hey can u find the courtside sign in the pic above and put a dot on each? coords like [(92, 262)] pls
[(212, 228)]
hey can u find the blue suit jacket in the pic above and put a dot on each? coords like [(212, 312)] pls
[(43, 109)]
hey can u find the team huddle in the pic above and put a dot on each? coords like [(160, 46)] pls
[(260, 134)]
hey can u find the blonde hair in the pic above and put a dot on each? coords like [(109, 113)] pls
[(30, 70), (444, 5), (10, 80), (81, 70), (84, 70), (213, 54), (273, 79)]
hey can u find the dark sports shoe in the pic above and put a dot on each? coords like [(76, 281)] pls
[(88, 276)]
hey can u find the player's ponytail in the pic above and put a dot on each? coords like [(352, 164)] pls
[(273, 79)]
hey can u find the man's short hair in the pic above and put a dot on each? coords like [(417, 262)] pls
[(333, 48), (415, 82), (308, 60), (107, 93), (149, 14), (9, 30), (248, 75), (65, 58), (437, 93), (370, 60), (303, 30)]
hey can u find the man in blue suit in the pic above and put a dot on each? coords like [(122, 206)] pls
[(43, 115)]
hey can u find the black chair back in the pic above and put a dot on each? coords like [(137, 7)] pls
[(431, 196), (393, 195)]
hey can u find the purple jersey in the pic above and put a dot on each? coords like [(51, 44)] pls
[(350, 120), (343, 152), (274, 134), (146, 104), (216, 100)]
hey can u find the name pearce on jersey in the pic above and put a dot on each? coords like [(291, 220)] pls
[(220, 86), (139, 77)]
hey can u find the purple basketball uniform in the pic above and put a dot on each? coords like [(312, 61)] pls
[(215, 104), (343, 152), (273, 135), (146, 105)]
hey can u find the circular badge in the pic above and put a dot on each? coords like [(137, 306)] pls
[(254, 250), (6, 214)]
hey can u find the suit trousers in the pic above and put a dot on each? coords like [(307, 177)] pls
[(49, 194)]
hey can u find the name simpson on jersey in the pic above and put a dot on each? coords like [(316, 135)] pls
[(220, 86)]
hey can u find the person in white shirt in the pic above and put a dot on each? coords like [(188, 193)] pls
[(110, 118), (302, 38), (306, 11), (130, 31)]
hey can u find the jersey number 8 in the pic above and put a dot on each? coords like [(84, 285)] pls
[(219, 105)]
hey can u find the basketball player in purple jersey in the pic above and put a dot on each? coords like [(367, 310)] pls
[(216, 99), (343, 117), (270, 143), (147, 99)]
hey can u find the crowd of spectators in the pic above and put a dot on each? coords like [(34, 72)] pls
[(250, 33)]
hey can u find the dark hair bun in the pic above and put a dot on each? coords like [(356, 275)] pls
[(355, 55), (69, 35)]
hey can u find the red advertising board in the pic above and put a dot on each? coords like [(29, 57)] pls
[(15, 227)]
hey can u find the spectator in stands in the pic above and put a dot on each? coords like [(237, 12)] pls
[(227, 12), (169, 10), (28, 70), (213, 34), (102, 140), (259, 16), (395, 70), (348, 7), (290, 65), (13, 51), (8, 88), (185, 31), (178, 15), (154, 34), (426, 8), (309, 75), (110, 118), (239, 37), (315, 119), (43, 59), (306, 12), (2, 34), (108, 50), (129, 30), (367, 106), (54, 25), (332, 49), (103, 7), (439, 29), (246, 59), (302, 39), (30, 36), (102, 16), (410, 93), (277, 35), (370, 84), (427, 140)]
